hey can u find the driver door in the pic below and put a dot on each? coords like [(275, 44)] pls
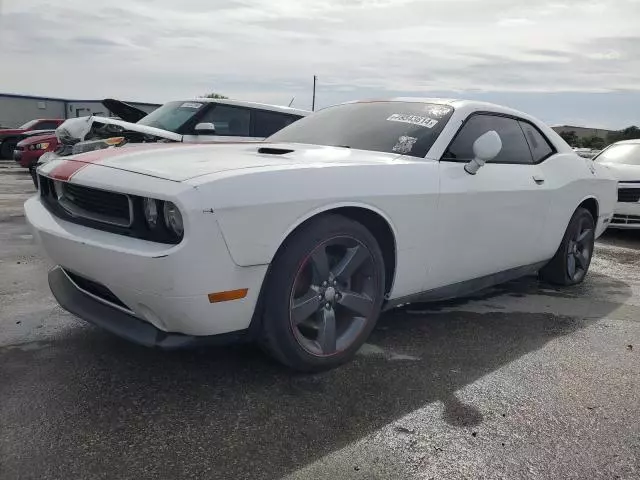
[(491, 221)]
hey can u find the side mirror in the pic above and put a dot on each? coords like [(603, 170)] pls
[(485, 148), (206, 128)]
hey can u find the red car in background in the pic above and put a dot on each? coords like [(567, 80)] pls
[(9, 137), (29, 150)]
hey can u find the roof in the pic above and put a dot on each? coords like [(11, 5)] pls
[(458, 104), (68, 100), (262, 106)]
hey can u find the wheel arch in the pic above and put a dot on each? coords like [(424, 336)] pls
[(591, 204), (376, 221)]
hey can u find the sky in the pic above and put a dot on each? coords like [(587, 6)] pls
[(571, 62)]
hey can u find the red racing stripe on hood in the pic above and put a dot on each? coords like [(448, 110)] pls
[(69, 168)]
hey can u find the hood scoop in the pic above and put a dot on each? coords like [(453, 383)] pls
[(274, 150)]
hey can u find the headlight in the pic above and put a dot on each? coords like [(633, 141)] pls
[(91, 145), (150, 212), (173, 219), (39, 146)]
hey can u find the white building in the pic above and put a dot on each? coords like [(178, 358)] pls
[(16, 110)]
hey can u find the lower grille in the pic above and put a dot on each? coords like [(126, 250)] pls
[(96, 289), (629, 195), (626, 220)]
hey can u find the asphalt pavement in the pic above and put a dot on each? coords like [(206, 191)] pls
[(524, 380)]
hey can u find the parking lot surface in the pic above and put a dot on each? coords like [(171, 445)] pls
[(524, 380)]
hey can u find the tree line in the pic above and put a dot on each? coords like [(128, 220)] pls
[(598, 143)]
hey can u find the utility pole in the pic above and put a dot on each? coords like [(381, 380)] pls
[(313, 102)]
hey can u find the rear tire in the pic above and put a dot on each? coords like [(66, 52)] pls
[(571, 262), (323, 295)]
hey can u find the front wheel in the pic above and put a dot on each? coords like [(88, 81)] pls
[(571, 262), (324, 294), (7, 147)]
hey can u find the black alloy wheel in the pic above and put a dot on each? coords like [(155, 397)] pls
[(579, 250), (323, 295), (333, 295), (570, 264)]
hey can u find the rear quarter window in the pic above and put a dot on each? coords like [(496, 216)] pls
[(540, 147)]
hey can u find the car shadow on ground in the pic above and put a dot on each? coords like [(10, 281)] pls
[(621, 238), (104, 408)]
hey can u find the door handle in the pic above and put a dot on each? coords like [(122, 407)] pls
[(539, 179)]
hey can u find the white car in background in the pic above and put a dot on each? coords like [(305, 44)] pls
[(623, 159), (201, 120), (300, 242)]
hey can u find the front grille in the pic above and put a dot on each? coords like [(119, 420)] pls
[(113, 212), (96, 289), (625, 220), (90, 203), (629, 195), (19, 147)]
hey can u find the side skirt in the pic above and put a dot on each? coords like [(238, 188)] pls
[(467, 287)]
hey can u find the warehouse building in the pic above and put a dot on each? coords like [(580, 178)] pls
[(16, 110), (583, 132)]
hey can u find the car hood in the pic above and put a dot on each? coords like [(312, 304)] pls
[(624, 173), (134, 127), (126, 112), (5, 132), (33, 139), (180, 162), (36, 133)]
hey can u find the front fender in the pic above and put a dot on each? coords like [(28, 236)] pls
[(250, 246)]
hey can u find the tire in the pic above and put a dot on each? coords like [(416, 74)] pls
[(34, 176), (575, 251), (323, 294), (7, 147)]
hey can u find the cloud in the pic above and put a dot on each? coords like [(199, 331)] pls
[(268, 50)]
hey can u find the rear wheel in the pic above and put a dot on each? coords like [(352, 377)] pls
[(571, 262), (324, 294)]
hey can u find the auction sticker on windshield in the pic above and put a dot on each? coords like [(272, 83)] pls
[(413, 119), (190, 105)]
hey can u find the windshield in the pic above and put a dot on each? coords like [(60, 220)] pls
[(625, 153), (172, 116), (28, 125), (408, 128)]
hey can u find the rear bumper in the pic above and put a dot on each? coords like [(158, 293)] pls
[(122, 324)]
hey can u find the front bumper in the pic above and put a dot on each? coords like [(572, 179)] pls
[(27, 158), (164, 286), (626, 216), (119, 322)]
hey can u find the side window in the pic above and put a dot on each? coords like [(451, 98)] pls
[(46, 126), (514, 145), (228, 120), (540, 147), (268, 123)]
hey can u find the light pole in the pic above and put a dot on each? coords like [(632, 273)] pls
[(313, 101)]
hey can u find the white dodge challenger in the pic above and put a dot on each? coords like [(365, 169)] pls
[(301, 241)]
